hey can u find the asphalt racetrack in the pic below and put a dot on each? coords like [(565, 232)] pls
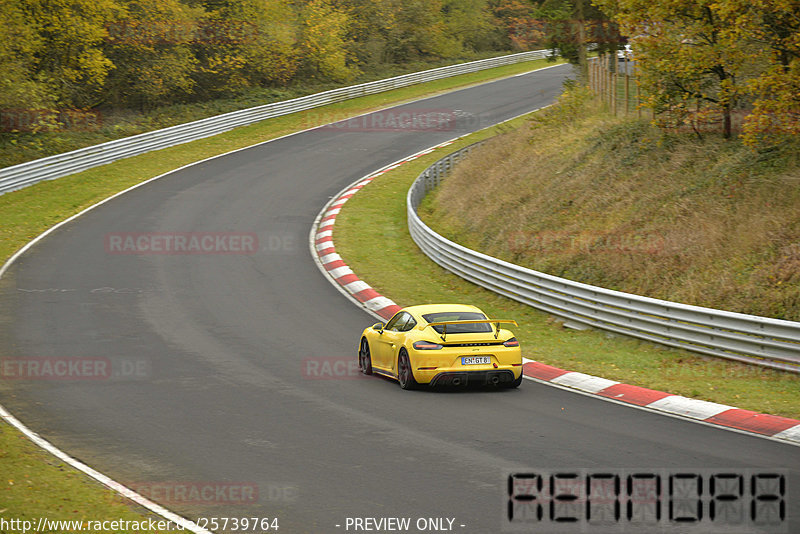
[(222, 367)]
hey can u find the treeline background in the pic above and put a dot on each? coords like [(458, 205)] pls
[(80, 72), (146, 53)]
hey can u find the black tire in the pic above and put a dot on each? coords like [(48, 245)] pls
[(405, 376), (365, 358), (516, 383)]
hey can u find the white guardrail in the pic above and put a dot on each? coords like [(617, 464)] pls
[(763, 341), (49, 168)]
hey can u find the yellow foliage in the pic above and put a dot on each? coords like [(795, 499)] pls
[(324, 41), (697, 57)]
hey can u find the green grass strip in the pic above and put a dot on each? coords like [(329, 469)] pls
[(33, 483), (371, 235)]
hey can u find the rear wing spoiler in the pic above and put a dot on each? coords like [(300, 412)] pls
[(495, 322)]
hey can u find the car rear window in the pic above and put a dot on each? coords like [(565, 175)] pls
[(458, 328)]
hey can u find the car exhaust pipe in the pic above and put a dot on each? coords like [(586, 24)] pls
[(495, 380), (456, 381)]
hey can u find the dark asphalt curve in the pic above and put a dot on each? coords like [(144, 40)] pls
[(213, 356)]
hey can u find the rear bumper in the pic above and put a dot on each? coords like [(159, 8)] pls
[(477, 378), (439, 367)]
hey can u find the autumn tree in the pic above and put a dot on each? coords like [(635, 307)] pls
[(147, 53), (150, 48), (391, 31), (691, 64), (372, 26), (772, 26), (246, 43), (523, 30), (19, 45), (471, 23), (572, 26), (69, 56), (421, 32), (324, 41)]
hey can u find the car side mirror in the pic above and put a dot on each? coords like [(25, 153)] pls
[(378, 327)]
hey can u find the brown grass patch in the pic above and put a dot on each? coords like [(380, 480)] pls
[(612, 201)]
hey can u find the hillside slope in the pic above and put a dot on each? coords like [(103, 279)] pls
[(615, 202)]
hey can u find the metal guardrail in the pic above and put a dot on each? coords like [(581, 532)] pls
[(49, 168), (763, 341)]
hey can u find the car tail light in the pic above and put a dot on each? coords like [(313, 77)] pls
[(426, 345), (511, 342)]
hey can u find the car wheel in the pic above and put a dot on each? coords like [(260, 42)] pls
[(515, 383), (404, 373), (364, 358)]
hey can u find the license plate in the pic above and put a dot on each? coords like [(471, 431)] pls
[(475, 360)]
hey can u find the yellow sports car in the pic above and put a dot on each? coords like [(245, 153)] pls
[(442, 344)]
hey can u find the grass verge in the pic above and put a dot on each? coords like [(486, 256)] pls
[(386, 257), (33, 483)]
